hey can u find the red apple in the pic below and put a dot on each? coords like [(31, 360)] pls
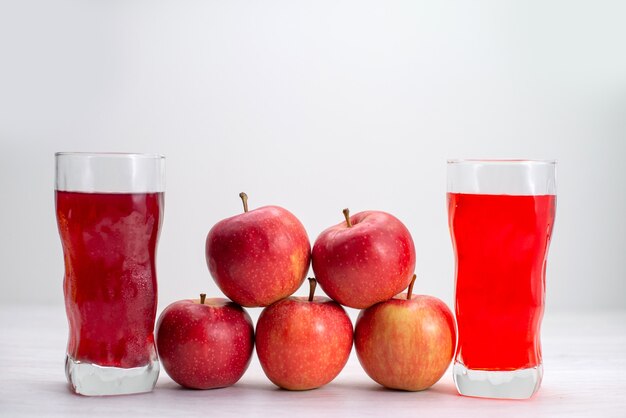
[(259, 256), (303, 343), (366, 259), (406, 342), (206, 343)]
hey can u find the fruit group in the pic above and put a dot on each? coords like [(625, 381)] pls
[(303, 343), (260, 256), (406, 342), (367, 259), (205, 344)]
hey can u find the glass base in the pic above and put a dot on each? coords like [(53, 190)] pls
[(515, 384), (93, 380)]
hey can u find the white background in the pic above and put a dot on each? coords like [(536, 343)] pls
[(316, 106)]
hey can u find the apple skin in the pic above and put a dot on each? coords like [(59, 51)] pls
[(205, 346), (406, 344), (258, 257), (368, 262), (303, 344)]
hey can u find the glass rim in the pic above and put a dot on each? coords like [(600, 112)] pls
[(130, 155), (500, 161)]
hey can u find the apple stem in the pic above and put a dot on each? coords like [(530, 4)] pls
[(346, 213), (408, 293), (244, 199), (312, 285), (202, 298)]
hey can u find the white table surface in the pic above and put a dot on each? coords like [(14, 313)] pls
[(584, 360)]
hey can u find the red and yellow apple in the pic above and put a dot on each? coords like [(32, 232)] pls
[(406, 342)]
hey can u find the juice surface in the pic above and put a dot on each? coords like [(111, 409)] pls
[(109, 243), (501, 244)]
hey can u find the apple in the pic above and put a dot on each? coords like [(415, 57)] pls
[(406, 342), (205, 343), (367, 259), (303, 343), (260, 256)]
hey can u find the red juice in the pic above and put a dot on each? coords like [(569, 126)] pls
[(501, 244), (109, 243)]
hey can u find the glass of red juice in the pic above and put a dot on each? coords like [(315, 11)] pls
[(109, 210), (501, 215)]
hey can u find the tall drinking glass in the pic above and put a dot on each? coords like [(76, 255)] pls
[(109, 211), (501, 214)]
